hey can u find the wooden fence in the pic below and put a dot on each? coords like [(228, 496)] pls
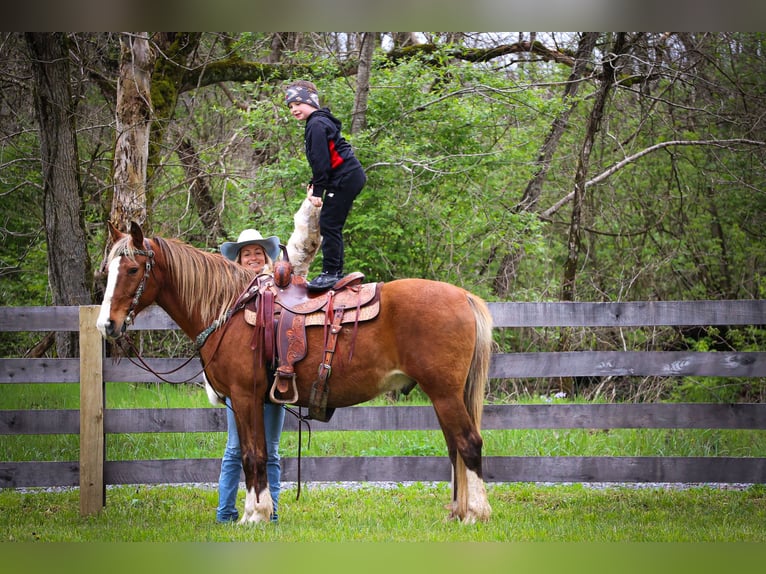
[(93, 421)]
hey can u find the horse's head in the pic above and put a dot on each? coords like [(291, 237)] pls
[(128, 288)]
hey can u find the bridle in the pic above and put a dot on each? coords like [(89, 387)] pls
[(149, 254)]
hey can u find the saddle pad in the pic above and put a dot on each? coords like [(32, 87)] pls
[(365, 314), (318, 318), (250, 317)]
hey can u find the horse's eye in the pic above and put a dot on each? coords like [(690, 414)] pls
[(132, 270)]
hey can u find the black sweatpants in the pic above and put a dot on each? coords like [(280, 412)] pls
[(336, 206)]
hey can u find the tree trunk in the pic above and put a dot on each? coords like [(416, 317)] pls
[(359, 115), (510, 262), (534, 188), (592, 127), (199, 188), (134, 113), (69, 272)]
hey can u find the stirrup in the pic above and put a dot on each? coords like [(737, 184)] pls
[(283, 401)]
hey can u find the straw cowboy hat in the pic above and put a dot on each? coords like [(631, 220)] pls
[(270, 245)]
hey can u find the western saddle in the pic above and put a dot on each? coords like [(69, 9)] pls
[(280, 307)]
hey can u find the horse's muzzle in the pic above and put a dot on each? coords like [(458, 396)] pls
[(109, 332)]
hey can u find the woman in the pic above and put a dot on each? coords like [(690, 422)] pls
[(253, 251)]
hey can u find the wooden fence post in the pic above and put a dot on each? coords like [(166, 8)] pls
[(92, 493)]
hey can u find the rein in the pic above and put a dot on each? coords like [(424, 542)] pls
[(140, 362), (302, 419)]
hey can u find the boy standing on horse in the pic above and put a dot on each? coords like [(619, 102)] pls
[(337, 176)]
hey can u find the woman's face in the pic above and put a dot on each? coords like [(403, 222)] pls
[(252, 256)]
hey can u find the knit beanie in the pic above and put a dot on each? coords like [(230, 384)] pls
[(301, 95)]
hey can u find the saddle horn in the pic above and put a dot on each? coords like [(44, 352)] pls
[(283, 269)]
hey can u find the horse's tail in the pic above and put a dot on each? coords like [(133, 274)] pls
[(478, 374), (467, 488)]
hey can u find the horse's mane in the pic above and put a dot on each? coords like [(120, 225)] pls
[(207, 282)]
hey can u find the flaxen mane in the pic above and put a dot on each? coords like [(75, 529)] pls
[(206, 281)]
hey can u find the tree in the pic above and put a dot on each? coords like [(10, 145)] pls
[(68, 262), (359, 115), (134, 122), (531, 195), (608, 79)]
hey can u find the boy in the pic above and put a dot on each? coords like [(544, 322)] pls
[(337, 176)]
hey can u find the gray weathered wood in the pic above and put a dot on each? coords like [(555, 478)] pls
[(414, 468), (504, 366), (436, 468), (629, 313), (501, 468), (167, 370), (505, 314), (40, 421), (165, 420), (26, 474), (39, 370), (626, 415), (628, 363), (63, 318), (496, 417), (625, 469)]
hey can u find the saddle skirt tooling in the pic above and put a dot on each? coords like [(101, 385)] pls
[(280, 307)]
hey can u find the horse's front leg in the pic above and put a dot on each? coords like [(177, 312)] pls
[(249, 414)]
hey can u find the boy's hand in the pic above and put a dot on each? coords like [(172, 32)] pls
[(315, 201)]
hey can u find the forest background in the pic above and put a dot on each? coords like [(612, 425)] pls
[(533, 166)]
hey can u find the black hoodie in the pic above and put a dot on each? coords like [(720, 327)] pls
[(328, 153)]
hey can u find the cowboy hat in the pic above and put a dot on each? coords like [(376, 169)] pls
[(270, 245)]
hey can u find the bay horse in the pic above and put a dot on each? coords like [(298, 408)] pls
[(428, 333)]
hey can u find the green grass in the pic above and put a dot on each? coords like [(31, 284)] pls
[(521, 513)]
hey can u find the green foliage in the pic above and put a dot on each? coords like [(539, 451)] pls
[(723, 389), (434, 152), (23, 257)]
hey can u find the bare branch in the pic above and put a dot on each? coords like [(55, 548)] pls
[(632, 158)]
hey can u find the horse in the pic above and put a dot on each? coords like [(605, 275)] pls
[(427, 333)]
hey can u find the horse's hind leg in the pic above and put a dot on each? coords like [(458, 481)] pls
[(258, 503), (464, 444)]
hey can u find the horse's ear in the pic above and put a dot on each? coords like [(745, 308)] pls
[(114, 233), (136, 234)]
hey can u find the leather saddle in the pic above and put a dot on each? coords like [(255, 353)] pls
[(280, 307)]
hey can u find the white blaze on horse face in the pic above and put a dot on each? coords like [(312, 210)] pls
[(106, 304)]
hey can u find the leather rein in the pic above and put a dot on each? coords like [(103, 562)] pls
[(200, 341)]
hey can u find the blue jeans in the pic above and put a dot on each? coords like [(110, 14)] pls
[(231, 464)]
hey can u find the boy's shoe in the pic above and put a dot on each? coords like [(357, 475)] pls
[(324, 281)]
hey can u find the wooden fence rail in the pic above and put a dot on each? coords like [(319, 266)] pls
[(93, 421)]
